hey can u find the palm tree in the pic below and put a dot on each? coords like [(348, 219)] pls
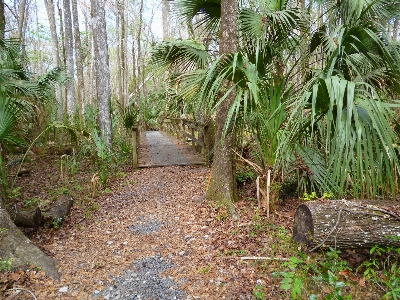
[(316, 94)]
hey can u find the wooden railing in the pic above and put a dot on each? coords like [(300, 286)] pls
[(135, 145), (199, 135)]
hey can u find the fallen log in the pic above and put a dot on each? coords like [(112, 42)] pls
[(60, 208), (29, 217), (14, 244), (343, 224)]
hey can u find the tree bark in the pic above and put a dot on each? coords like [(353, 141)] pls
[(101, 60), (78, 60), (118, 46), (21, 21), (166, 20), (138, 64), (69, 59), (346, 224), (2, 19), (14, 244), (396, 29), (223, 182), (124, 52), (55, 52)]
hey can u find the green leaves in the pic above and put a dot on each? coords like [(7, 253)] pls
[(355, 137), (209, 12), (183, 56)]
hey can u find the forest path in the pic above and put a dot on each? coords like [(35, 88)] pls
[(148, 235), (159, 149)]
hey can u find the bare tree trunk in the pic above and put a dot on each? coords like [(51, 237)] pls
[(124, 52), (134, 83), (119, 71), (55, 52), (78, 60), (101, 60), (396, 29), (166, 20), (21, 20), (69, 58), (223, 181), (62, 56), (139, 72), (2, 19)]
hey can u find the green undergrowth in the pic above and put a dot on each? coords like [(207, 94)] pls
[(327, 275)]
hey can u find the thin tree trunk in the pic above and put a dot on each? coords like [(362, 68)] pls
[(102, 69), (166, 20), (69, 58), (2, 20), (119, 71), (124, 36), (55, 52), (139, 72), (62, 56), (78, 59), (134, 83), (223, 181), (21, 20), (396, 29)]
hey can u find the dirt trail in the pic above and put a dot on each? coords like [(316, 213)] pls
[(96, 249), (149, 216)]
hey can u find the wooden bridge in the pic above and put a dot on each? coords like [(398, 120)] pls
[(180, 142)]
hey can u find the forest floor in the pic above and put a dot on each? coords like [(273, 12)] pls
[(151, 212)]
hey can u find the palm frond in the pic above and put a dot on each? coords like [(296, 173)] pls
[(353, 132), (208, 11), (182, 56)]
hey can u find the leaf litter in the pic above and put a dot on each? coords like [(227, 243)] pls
[(152, 224)]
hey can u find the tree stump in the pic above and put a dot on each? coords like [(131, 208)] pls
[(343, 224), (29, 217)]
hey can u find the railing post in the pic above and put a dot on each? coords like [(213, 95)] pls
[(193, 138), (135, 139)]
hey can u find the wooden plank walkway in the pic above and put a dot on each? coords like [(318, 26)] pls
[(158, 149)]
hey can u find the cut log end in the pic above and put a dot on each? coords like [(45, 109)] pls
[(29, 217), (303, 228), (343, 224)]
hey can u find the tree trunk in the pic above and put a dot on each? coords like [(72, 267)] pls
[(223, 182), (396, 29), (138, 64), (2, 19), (346, 224), (78, 60), (29, 217), (13, 244), (69, 59), (124, 52), (101, 60), (55, 53), (21, 21), (118, 46), (166, 20)]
